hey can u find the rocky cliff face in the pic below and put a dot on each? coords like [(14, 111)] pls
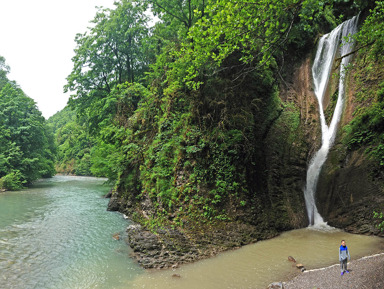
[(351, 184), (348, 193), (291, 141)]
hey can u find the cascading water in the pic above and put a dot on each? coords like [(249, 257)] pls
[(321, 72)]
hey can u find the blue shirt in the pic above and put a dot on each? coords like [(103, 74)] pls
[(344, 253)]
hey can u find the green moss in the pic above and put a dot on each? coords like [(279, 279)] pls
[(367, 127)]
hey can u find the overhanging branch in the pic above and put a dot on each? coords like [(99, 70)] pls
[(354, 51)]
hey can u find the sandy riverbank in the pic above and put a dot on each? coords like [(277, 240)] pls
[(365, 273)]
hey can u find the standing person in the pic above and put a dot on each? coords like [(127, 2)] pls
[(343, 255)]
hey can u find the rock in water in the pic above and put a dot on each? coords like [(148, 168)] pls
[(290, 258), (301, 267)]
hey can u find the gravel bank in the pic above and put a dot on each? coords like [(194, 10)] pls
[(365, 273)]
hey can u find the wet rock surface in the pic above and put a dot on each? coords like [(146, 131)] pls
[(168, 248), (160, 250), (114, 204), (164, 249), (348, 193)]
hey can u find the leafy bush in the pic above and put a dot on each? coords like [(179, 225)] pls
[(379, 216), (12, 181)]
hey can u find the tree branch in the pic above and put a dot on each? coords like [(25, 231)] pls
[(172, 14), (354, 51)]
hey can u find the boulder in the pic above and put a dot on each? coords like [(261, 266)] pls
[(114, 204)]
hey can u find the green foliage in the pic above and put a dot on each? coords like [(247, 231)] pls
[(104, 161), (116, 146), (367, 128), (180, 15), (110, 53), (4, 70), (73, 143), (379, 216), (26, 143), (12, 181), (255, 31), (371, 33)]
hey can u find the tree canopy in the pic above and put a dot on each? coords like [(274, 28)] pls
[(112, 52)]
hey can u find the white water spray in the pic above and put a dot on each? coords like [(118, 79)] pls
[(321, 72)]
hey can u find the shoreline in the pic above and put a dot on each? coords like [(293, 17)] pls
[(365, 272)]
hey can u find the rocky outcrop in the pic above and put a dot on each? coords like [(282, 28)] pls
[(168, 248), (115, 203), (164, 249)]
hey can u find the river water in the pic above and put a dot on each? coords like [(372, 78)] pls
[(58, 234)]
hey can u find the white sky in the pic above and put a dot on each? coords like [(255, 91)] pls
[(37, 41)]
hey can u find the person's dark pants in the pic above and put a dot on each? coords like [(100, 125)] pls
[(343, 265)]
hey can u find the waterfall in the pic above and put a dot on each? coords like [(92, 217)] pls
[(329, 44)]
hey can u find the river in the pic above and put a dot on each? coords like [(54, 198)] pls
[(58, 234)]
